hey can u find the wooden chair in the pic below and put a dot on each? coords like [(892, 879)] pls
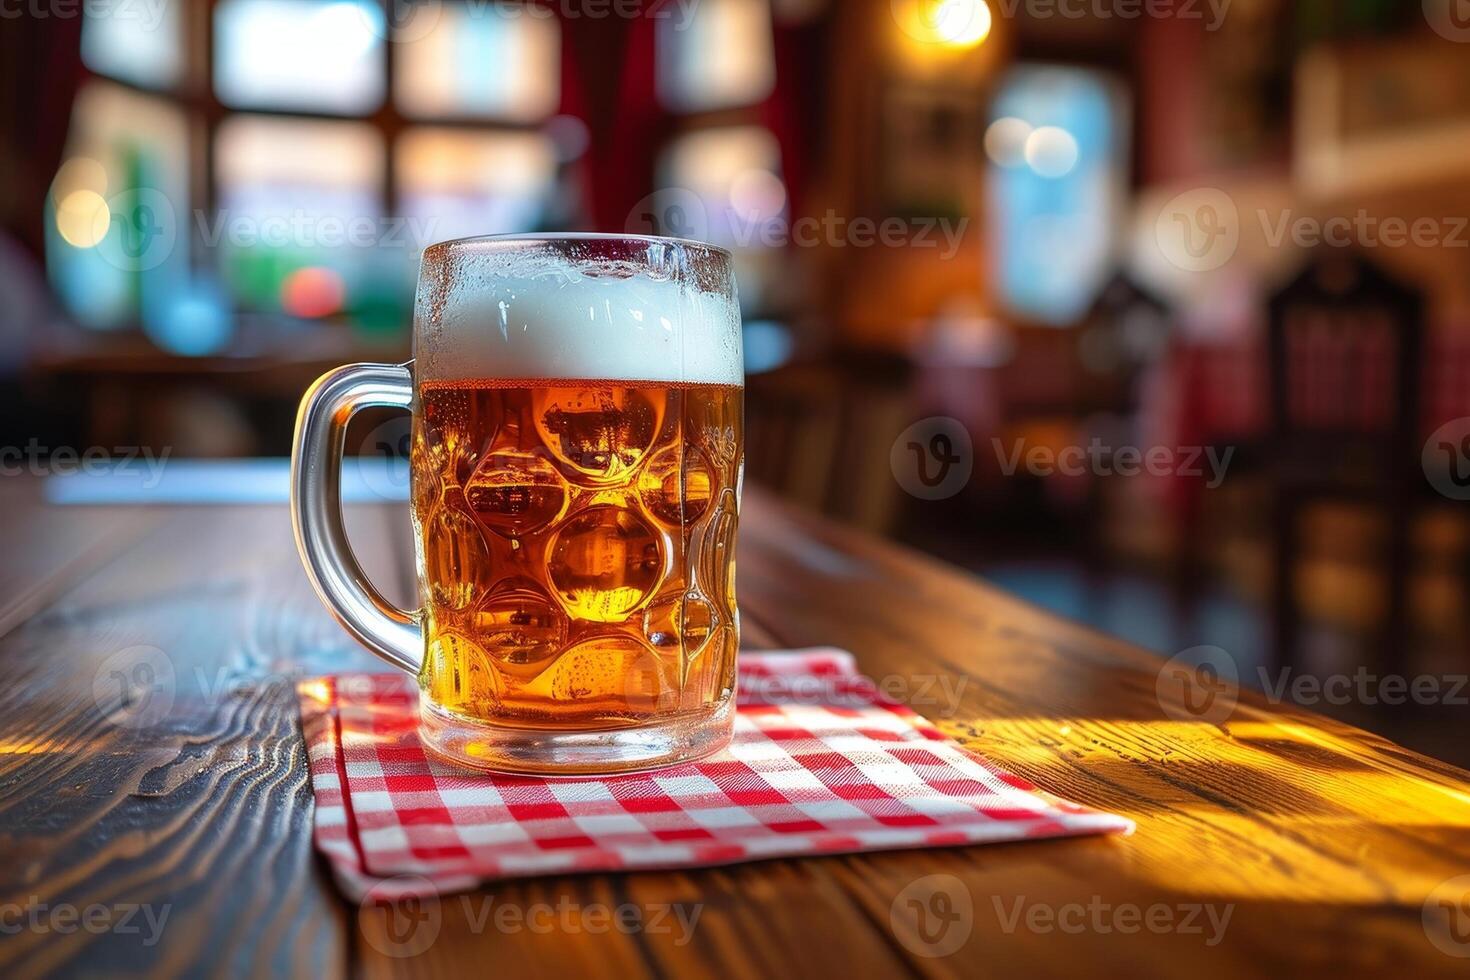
[(1344, 350), (1126, 329), (793, 422), (819, 434)]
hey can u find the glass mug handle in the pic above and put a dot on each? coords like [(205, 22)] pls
[(316, 508)]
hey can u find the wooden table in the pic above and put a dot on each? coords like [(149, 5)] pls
[(1320, 842)]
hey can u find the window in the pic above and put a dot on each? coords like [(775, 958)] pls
[(733, 171), (321, 185), (722, 56), (139, 45), (483, 60), (296, 194), (323, 57), (117, 236), (453, 183), (721, 177), (1055, 188)]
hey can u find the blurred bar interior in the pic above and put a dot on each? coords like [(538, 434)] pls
[(1229, 234)]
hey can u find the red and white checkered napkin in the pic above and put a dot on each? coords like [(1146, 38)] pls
[(821, 763)]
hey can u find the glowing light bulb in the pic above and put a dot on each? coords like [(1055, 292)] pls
[(954, 24), (959, 23)]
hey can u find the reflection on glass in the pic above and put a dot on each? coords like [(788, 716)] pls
[(453, 183), (715, 55), (139, 45), (1055, 187), (300, 195), (484, 59), (299, 54)]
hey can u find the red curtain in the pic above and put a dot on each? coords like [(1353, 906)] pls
[(630, 128)]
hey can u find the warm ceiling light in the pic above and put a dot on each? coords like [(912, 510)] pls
[(959, 23), (953, 24)]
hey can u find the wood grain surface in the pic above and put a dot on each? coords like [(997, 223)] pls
[(1270, 841)]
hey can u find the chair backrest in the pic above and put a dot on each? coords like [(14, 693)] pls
[(1124, 332), (820, 435), (792, 423), (1345, 355)]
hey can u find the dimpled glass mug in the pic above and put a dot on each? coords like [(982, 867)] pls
[(575, 467)]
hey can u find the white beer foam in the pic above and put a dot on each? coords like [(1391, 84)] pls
[(517, 313)]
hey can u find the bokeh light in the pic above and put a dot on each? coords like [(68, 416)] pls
[(757, 194), (954, 24), (82, 218), (1051, 151), (192, 319), (1005, 141), (312, 292)]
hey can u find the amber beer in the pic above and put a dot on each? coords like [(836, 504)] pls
[(577, 548), (576, 458)]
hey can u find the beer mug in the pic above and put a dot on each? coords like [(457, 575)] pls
[(575, 467)]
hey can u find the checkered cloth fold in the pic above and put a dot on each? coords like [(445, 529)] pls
[(821, 763)]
